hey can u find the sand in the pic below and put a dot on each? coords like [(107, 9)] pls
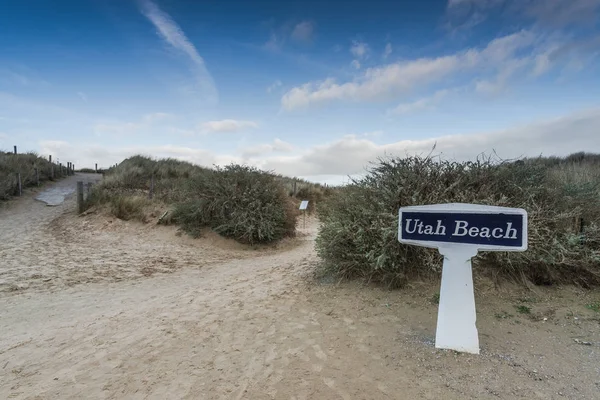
[(96, 308)]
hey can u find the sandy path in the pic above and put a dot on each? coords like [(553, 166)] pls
[(252, 327), (44, 247)]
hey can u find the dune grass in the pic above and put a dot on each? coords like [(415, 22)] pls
[(236, 201), (25, 164), (358, 236)]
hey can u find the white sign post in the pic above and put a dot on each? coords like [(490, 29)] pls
[(303, 207), (459, 231)]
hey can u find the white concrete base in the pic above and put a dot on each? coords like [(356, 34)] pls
[(456, 329)]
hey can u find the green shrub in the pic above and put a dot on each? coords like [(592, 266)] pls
[(358, 235), (238, 202)]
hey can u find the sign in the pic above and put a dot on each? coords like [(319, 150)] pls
[(304, 205), (495, 229), (459, 231)]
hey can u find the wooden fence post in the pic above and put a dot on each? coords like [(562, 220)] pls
[(80, 197), (295, 187), (151, 192), (37, 176), (73, 169), (15, 149), (60, 170), (50, 158), (89, 189), (20, 187), (52, 171), (96, 168)]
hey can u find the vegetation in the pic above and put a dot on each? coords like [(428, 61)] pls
[(300, 189), (521, 309), (89, 170), (503, 315), (358, 235), (236, 201), (25, 164)]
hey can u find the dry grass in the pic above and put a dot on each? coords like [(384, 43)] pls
[(358, 238), (25, 164)]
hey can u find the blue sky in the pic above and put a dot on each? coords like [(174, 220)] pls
[(305, 88)]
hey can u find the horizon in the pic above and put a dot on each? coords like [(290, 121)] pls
[(308, 90)]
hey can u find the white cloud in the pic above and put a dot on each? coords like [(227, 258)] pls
[(227, 125), (278, 145), (359, 49), (500, 82), (349, 155), (355, 64), (421, 104), (387, 51), (171, 33), (274, 86), (82, 96), (88, 155), (303, 32), (376, 83), (396, 79)]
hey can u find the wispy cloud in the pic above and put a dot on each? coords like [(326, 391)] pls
[(466, 14), (303, 32), (421, 104), (144, 124), (82, 96), (278, 145), (227, 125), (172, 34), (275, 42), (355, 64), (22, 76), (156, 117), (387, 51), (494, 65), (359, 49), (274, 86)]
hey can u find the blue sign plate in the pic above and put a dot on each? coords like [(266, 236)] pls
[(491, 228)]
